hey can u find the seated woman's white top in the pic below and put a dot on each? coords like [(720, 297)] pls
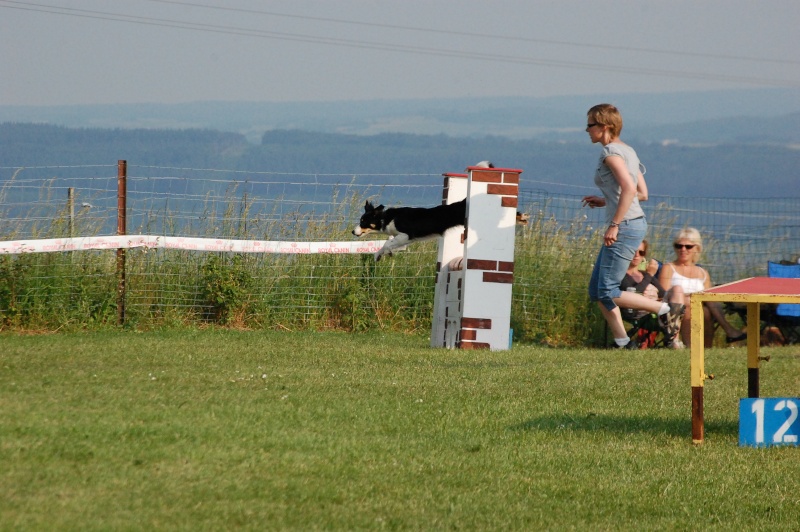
[(690, 285)]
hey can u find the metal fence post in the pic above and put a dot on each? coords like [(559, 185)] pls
[(71, 210), (122, 187)]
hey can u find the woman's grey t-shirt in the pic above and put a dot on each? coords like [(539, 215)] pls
[(605, 181)]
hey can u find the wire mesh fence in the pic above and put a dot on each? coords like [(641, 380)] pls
[(36, 202), (739, 235), (554, 252)]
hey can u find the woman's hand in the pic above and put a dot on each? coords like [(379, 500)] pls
[(651, 292), (593, 201), (611, 235), (652, 267)]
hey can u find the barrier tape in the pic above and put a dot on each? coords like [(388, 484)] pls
[(194, 244)]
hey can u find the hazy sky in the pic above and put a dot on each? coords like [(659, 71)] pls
[(56, 52)]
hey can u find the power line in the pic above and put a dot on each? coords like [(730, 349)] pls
[(371, 45), (511, 38)]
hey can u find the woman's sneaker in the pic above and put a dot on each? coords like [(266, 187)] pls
[(630, 345), (671, 321)]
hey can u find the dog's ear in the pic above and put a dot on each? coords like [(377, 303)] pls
[(379, 208), (368, 206)]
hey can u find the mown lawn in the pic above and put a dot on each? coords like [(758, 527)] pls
[(219, 429)]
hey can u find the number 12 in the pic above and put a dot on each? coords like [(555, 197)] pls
[(780, 436)]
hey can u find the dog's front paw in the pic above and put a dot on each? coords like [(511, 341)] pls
[(381, 252)]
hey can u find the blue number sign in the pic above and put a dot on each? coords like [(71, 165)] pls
[(765, 422)]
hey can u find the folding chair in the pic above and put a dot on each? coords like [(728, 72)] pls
[(784, 316), (645, 329)]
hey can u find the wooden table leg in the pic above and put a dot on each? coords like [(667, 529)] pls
[(697, 369), (753, 344)]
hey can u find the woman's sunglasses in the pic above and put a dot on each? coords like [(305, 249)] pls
[(687, 246), (641, 252)]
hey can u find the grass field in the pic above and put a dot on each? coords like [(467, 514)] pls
[(218, 430)]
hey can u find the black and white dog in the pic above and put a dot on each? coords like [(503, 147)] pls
[(405, 225), (409, 224)]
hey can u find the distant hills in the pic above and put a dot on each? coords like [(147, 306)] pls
[(735, 144), (709, 117), (724, 170)]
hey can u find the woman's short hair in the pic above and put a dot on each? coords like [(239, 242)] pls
[(646, 245), (692, 235), (607, 115)]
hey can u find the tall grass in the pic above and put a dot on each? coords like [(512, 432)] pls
[(177, 288)]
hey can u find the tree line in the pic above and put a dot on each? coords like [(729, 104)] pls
[(726, 170)]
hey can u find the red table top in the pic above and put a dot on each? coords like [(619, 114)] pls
[(759, 285)]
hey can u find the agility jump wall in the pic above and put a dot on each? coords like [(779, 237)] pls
[(475, 267)]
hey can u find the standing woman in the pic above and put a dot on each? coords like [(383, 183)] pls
[(619, 177)]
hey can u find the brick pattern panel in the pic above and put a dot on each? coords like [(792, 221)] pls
[(477, 264), (505, 266), (487, 177), (503, 184), (493, 271), (496, 277), (469, 334), (473, 345), (502, 190), (476, 323), (507, 201)]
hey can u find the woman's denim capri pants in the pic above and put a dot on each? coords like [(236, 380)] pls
[(613, 261)]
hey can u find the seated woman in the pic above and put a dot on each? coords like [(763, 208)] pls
[(686, 274), (643, 281)]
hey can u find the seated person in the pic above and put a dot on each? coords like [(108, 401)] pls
[(644, 282), (684, 272)]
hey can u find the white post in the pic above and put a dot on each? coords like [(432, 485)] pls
[(476, 300), (451, 246), (489, 258)]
